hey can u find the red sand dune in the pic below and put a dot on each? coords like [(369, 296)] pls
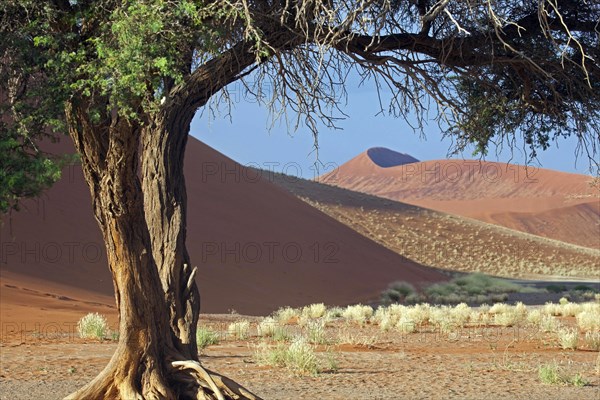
[(257, 247), (554, 204)]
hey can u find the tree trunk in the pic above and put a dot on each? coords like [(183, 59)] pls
[(165, 204), (109, 161), (149, 362)]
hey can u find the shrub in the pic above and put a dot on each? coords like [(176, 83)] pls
[(93, 325), (584, 288), (239, 330), (397, 292), (556, 288), (206, 337), (478, 283)]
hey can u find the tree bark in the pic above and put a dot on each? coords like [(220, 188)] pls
[(110, 163), (155, 358), (165, 205)]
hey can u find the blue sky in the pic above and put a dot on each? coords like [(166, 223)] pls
[(246, 138)]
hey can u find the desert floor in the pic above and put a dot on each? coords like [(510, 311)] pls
[(360, 362)]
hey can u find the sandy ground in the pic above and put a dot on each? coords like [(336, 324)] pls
[(471, 363)]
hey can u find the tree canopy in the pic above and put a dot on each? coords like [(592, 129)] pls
[(125, 78), (490, 71)]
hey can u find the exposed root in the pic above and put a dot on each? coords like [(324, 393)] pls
[(222, 387), (190, 281), (195, 365)]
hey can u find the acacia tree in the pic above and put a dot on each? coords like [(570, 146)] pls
[(124, 78)]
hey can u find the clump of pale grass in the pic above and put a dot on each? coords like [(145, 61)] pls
[(569, 309), (92, 325), (355, 339), (534, 317), (333, 313), (499, 308), (588, 321), (563, 300), (419, 313), (316, 332), (206, 337), (592, 340), (460, 314), (298, 356), (510, 315), (552, 309), (267, 327), (549, 324), (406, 325), (314, 311), (568, 338), (551, 374), (239, 330), (358, 313), (287, 314), (386, 317)]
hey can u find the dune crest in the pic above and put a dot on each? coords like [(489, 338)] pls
[(553, 204)]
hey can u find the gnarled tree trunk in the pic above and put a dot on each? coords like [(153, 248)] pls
[(165, 204), (156, 356)]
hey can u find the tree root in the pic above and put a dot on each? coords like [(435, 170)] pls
[(222, 388)]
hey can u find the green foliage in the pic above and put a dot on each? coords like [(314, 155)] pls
[(26, 171), (556, 288), (397, 292), (551, 374), (126, 58), (473, 288)]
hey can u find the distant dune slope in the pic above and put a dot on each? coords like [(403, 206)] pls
[(543, 202), (448, 241), (257, 246)]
